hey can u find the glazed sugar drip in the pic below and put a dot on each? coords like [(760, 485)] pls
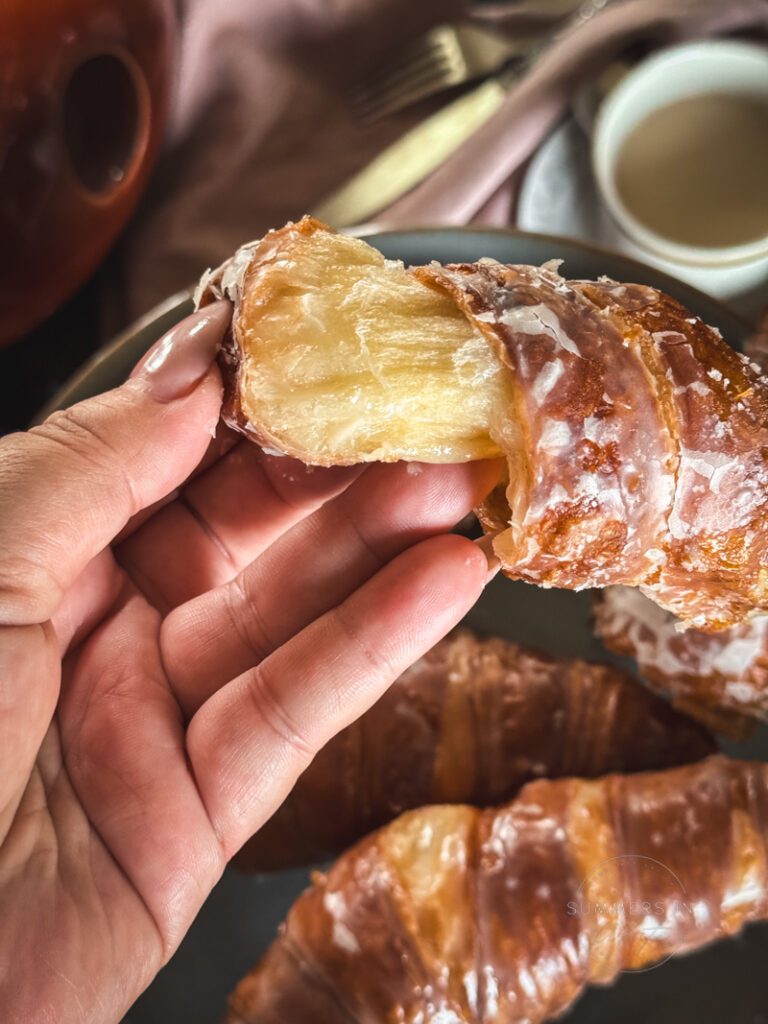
[(455, 914), (595, 492), (641, 451), (728, 669)]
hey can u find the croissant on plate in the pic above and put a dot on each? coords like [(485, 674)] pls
[(719, 678), (636, 440), (471, 722), (451, 914)]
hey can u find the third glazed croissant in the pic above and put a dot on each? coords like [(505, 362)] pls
[(718, 677), (456, 915), (636, 439)]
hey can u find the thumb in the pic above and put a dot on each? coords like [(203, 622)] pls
[(69, 486)]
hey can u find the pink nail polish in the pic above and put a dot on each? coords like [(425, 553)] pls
[(183, 356)]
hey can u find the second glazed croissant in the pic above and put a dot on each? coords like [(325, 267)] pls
[(471, 722), (636, 439)]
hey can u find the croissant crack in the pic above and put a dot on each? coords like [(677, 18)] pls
[(636, 439)]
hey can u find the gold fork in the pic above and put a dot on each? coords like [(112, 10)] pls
[(445, 56)]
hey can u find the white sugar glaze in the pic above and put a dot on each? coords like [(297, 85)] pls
[(659, 643)]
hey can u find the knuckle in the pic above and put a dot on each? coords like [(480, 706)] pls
[(272, 712), (373, 657), (29, 586), (246, 619), (366, 543), (73, 428), (39, 469)]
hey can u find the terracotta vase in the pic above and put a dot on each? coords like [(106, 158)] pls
[(84, 89)]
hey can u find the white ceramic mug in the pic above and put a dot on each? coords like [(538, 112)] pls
[(726, 67)]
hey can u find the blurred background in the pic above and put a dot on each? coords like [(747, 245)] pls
[(142, 141)]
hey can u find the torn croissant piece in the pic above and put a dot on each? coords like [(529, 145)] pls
[(717, 677), (636, 439), (471, 722), (454, 914)]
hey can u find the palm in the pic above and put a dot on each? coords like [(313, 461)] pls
[(193, 690), (112, 814)]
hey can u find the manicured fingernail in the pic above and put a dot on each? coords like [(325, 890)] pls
[(494, 564), (183, 356)]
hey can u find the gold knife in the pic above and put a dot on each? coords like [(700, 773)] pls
[(414, 156)]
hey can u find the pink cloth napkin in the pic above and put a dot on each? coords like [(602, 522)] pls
[(261, 130)]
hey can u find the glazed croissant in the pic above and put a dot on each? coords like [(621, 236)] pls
[(717, 677), (471, 722), (636, 440), (451, 914)]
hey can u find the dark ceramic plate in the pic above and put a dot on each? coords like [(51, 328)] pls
[(725, 983)]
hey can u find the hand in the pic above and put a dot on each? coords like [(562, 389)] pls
[(160, 693)]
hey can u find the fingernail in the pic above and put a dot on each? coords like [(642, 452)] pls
[(494, 563), (183, 356)]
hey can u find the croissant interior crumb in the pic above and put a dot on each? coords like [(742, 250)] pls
[(349, 359)]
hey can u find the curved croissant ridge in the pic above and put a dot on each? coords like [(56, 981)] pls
[(471, 722), (718, 677)]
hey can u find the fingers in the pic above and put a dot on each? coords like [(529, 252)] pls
[(222, 441), (69, 486), (249, 742), (251, 498), (312, 568), (222, 520)]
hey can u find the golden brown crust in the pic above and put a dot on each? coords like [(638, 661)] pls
[(471, 722), (646, 440), (228, 360), (756, 345), (718, 678), (717, 408), (594, 500), (492, 915), (636, 439)]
